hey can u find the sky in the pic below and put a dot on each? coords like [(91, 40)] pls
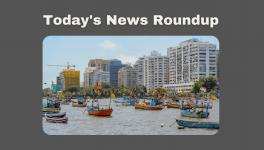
[(78, 50)]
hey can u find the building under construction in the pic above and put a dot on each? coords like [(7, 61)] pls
[(69, 78)]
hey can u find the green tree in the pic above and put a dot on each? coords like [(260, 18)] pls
[(196, 87), (209, 83), (140, 90)]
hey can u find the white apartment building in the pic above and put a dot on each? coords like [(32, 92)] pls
[(153, 70), (189, 61)]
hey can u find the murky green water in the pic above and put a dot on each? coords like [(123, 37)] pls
[(126, 120)]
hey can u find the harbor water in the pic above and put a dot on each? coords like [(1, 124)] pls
[(126, 120)]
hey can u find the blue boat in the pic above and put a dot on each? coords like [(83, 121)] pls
[(195, 114), (121, 100), (197, 124), (132, 101)]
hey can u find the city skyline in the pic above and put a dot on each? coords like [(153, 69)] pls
[(78, 50)]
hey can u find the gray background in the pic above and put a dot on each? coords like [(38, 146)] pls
[(22, 30)]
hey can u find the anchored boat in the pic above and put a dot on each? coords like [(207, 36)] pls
[(57, 120), (99, 111), (194, 114), (197, 124), (78, 105), (147, 107), (81, 102), (178, 106), (56, 115), (51, 106)]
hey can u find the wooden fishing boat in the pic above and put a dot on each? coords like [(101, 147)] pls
[(79, 105), (147, 107), (47, 109), (195, 114), (170, 105), (197, 124), (57, 120), (177, 106), (99, 112)]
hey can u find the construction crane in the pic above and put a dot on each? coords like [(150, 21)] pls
[(68, 65)]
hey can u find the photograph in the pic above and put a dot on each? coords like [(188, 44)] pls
[(130, 85)]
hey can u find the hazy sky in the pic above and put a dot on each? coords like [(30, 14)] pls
[(78, 50)]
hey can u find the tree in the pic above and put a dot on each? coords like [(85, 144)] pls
[(196, 87), (209, 83), (140, 90)]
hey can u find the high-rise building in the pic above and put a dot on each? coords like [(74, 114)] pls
[(102, 67), (127, 77), (86, 76), (95, 65), (156, 69), (100, 64), (70, 78), (152, 70), (189, 61), (99, 76), (139, 68), (114, 67)]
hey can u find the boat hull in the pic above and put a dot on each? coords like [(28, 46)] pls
[(197, 124), (105, 112), (194, 114), (57, 120), (78, 105), (51, 109), (148, 107), (56, 115), (178, 106)]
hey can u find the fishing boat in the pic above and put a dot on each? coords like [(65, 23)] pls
[(81, 102), (57, 120), (194, 114), (99, 111), (96, 109), (51, 106), (79, 105), (56, 115), (152, 105), (197, 124), (147, 107), (177, 106), (122, 101)]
